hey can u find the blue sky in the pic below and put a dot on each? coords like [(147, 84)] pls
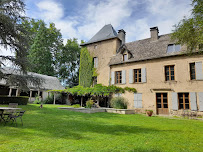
[(83, 18)]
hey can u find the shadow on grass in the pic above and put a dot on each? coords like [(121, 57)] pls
[(53, 122)]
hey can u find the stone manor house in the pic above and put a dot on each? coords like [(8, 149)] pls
[(167, 79)]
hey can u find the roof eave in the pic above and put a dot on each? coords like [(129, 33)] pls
[(150, 59), (98, 41)]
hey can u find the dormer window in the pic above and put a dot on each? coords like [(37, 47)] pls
[(125, 57), (173, 48)]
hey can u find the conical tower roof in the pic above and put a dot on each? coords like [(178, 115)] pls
[(107, 32)]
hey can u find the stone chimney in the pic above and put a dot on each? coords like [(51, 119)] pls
[(154, 33), (121, 36)]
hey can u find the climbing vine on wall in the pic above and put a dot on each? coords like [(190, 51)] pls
[(86, 68), (97, 90)]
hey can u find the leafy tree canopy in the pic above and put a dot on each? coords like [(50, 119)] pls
[(68, 65), (13, 36), (189, 31), (45, 46)]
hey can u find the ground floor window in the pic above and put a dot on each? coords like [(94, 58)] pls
[(4, 90), (183, 99), (24, 93), (13, 92), (34, 93)]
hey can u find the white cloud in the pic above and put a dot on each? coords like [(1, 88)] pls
[(138, 29), (88, 21), (120, 13), (50, 10), (106, 12), (167, 13)]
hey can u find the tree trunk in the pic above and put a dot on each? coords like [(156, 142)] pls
[(54, 98), (81, 101)]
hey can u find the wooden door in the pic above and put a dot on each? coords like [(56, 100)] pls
[(162, 103)]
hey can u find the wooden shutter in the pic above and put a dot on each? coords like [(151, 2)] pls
[(174, 101), (123, 77), (198, 69), (96, 62), (131, 76), (144, 76), (193, 101), (200, 101), (112, 77), (138, 100)]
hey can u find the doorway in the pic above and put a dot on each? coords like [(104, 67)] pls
[(162, 103)]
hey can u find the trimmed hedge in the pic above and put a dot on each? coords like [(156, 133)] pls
[(20, 100)]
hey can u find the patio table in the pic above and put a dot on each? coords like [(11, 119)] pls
[(6, 108)]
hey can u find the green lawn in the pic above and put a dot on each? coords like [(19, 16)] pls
[(51, 129)]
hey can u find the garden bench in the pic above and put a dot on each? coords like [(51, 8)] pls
[(14, 116)]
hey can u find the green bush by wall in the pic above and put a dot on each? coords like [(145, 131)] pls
[(119, 103), (20, 100)]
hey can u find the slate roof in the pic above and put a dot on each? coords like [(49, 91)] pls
[(146, 50), (107, 32), (49, 82)]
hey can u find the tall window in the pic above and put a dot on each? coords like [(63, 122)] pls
[(137, 75), (173, 48), (95, 60), (183, 100), (118, 77), (192, 71), (125, 57), (169, 73), (94, 81)]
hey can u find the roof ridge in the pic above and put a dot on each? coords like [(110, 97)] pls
[(148, 38)]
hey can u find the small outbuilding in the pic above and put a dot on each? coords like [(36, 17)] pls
[(47, 83)]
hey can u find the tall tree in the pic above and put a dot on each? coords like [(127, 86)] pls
[(189, 31), (13, 36), (45, 46), (68, 68)]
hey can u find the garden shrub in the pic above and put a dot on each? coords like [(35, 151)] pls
[(89, 103), (37, 100), (21, 100), (119, 103), (49, 99), (76, 106)]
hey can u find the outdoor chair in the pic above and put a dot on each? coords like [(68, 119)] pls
[(13, 117), (1, 115), (11, 105)]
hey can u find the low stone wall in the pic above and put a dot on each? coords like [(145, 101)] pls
[(186, 113), (84, 110), (120, 111), (94, 110)]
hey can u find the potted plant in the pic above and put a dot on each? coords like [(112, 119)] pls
[(149, 112)]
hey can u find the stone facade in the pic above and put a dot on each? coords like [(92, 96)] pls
[(155, 80), (151, 57), (104, 50)]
